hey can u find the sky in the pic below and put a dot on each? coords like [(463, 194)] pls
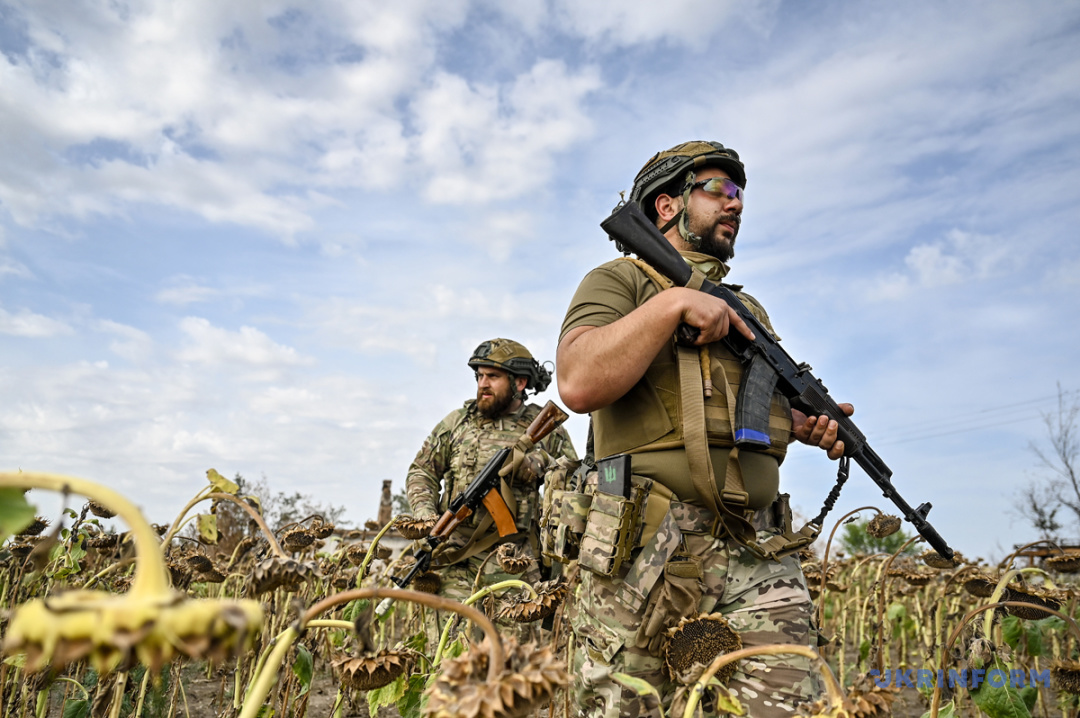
[(265, 237)]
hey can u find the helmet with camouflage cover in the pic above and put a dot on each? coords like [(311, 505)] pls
[(673, 170), (513, 358)]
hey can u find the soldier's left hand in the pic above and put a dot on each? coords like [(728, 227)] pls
[(819, 430)]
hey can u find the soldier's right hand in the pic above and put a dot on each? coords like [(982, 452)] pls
[(711, 316)]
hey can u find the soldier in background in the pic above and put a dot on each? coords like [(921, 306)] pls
[(462, 444)]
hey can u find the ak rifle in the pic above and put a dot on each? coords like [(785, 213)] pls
[(767, 367)]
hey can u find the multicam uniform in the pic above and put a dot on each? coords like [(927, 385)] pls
[(450, 459), (678, 567)]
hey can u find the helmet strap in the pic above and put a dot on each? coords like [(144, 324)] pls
[(680, 218)]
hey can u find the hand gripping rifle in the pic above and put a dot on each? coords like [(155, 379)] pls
[(485, 491), (767, 367)]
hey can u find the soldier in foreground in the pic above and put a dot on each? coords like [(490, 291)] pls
[(462, 444), (650, 398)]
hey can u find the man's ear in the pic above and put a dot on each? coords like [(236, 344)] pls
[(667, 207), (521, 382)]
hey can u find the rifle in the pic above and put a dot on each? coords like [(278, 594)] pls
[(767, 368), (483, 491)]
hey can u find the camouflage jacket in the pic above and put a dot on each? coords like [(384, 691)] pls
[(462, 444)]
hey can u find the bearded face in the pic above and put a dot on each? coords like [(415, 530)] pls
[(496, 392)]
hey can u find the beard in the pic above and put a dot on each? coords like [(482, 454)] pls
[(495, 405), (712, 240)]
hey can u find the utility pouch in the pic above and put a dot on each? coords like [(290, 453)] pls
[(677, 595), (613, 526), (565, 511)]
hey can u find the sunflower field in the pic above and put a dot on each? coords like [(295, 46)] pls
[(208, 617)]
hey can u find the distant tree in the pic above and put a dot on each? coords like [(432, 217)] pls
[(401, 503), (1058, 486), (855, 540)]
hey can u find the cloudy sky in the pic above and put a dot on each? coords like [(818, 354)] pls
[(265, 236)]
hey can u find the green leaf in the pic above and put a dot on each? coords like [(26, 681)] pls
[(896, 611), (409, 705), (208, 528), (1012, 629), (77, 709), (417, 641), (637, 685), (1000, 701), (946, 711), (303, 667), (1029, 694), (455, 649), (864, 650), (353, 609), (726, 702), (388, 695), (221, 484), (1034, 631), (16, 513)]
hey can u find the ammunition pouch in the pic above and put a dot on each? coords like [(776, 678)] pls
[(612, 528), (564, 512)]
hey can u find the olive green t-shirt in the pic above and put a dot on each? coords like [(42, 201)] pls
[(611, 292)]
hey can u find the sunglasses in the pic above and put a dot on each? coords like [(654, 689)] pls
[(717, 186)]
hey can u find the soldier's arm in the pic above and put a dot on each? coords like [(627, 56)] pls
[(423, 482), (597, 365)]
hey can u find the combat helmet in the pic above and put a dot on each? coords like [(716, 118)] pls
[(508, 355), (676, 167)]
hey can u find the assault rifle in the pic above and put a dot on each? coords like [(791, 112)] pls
[(767, 367), (483, 491)]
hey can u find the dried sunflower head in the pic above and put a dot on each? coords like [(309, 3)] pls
[(354, 534), (243, 546), (836, 587), (980, 585), (179, 573), (211, 575), (355, 554), (916, 578), (36, 526), (513, 559), (321, 529), (20, 550), (427, 582), (114, 632), (383, 553), (275, 572), (531, 676), (935, 560), (371, 671), (1066, 563), (297, 539), (694, 643), (100, 511), (523, 609), (1044, 597), (372, 525), (883, 525), (344, 580), (413, 528), (1066, 676), (103, 541), (198, 562)]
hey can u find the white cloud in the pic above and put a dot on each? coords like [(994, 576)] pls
[(9, 267), (26, 323), (249, 347), (132, 344), (959, 257)]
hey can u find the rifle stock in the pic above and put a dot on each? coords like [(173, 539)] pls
[(633, 231)]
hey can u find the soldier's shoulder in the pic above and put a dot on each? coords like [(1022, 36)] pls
[(455, 418)]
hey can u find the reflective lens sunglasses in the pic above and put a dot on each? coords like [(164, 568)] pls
[(717, 186)]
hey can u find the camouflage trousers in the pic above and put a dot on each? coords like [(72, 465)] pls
[(766, 602), (460, 582)]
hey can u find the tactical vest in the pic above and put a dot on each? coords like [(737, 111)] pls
[(475, 440), (649, 416)]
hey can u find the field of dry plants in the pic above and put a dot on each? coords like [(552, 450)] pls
[(218, 615)]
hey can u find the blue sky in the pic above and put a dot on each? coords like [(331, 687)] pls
[(264, 237)]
